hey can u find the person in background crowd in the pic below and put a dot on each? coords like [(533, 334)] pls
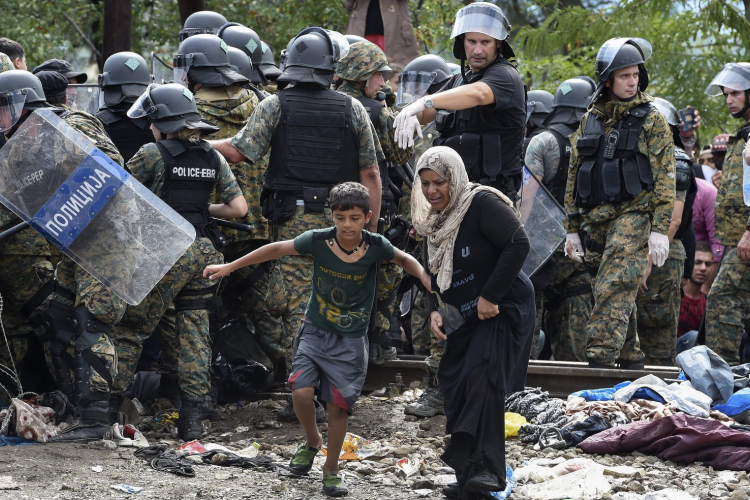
[(704, 226), (706, 162), (693, 304), (15, 51), (719, 150)]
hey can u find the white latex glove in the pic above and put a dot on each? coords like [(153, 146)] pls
[(574, 247), (407, 123), (658, 248)]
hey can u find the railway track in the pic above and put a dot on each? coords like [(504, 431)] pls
[(559, 378)]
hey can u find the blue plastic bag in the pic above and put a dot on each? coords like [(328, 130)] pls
[(738, 403), (510, 481), (606, 394)]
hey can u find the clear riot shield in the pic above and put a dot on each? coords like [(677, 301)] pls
[(542, 218), (84, 97), (429, 134), (89, 207), (161, 70)]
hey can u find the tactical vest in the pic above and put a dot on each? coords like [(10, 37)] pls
[(491, 154), (374, 108), (685, 181), (128, 134), (315, 144), (557, 185), (190, 174), (612, 170)]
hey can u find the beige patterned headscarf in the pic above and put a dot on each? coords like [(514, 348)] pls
[(440, 228)]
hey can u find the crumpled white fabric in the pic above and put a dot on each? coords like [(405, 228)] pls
[(687, 399)]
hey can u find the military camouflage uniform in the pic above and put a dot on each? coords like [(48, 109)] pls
[(729, 301), (229, 108), (624, 230), (99, 301), (289, 281), (564, 306), (191, 345), (659, 307)]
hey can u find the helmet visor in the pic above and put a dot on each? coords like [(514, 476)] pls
[(341, 44), (732, 75), (413, 85), (609, 50), (11, 108), (143, 106), (83, 97), (182, 64), (668, 110), (161, 71), (478, 18)]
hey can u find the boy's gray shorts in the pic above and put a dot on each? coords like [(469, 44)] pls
[(335, 365)]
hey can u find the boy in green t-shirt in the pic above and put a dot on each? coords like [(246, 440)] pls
[(330, 349)]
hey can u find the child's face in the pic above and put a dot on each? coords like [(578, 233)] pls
[(349, 223)]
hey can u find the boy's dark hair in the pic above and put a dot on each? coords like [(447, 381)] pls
[(11, 48), (703, 246), (349, 195)]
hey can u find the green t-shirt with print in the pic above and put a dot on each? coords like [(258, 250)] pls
[(343, 292)]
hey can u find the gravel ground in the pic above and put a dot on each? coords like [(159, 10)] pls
[(64, 471)]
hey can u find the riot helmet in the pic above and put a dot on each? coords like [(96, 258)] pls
[(201, 23), (240, 62), (283, 55), (352, 39), (455, 68), (312, 57), (481, 17), (425, 74), (618, 53), (205, 59), (171, 108), (268, 64), (667, 109), (362, 61), (538, 106), (571, 100), (124, 77), (736, 76), (19, 90), (243, 38)]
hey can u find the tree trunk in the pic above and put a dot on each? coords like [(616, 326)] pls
[(188, 7), (117, 34)]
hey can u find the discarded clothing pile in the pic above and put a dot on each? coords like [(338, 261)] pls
[(680, 438), (541, 411), (617, 412), (37, 418), (180, 463)]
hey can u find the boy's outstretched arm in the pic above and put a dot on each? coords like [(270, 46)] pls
[(263, 254), (412, 267)]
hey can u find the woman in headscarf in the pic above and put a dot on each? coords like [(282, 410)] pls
[(476, 247)]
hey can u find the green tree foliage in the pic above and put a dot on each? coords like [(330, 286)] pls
[(692, 40)]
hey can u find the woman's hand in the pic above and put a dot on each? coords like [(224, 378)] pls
[(487, 309), (217, 271), (436, 325)]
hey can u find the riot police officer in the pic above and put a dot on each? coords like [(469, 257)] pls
[(247, 40), (538, 106), (620, 196), (562, 286), (362, 75), (483, 114), (177, 126), (317, 138), (82, 309), (727, 304), (124, 78)]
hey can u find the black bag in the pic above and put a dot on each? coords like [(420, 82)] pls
[(452, 317)]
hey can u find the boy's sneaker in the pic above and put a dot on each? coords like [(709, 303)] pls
[(333, 485), (302, 461)]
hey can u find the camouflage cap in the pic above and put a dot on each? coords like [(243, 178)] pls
[(5, 63), (363, 59)]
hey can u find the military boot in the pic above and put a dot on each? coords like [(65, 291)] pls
[(189, 425), (169, 388), (430, 403), (92, 425), (113, 410)]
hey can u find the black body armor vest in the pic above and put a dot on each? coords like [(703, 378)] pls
[(128, 134), (492, 154), (561, 132), (612, 170), (315, 144)]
